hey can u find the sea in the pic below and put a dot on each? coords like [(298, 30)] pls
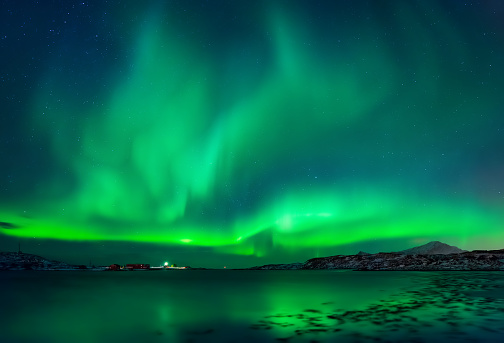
[(251, 306)]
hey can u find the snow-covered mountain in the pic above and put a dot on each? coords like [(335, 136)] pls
[(433, 248)]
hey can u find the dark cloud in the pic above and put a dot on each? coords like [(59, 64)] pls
[(10, 226)]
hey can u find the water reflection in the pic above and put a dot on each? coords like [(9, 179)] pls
[(251, 306), (441, 307)]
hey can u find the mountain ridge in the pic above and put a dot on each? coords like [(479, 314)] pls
[(23, 261), (432, 248), (432, 256)]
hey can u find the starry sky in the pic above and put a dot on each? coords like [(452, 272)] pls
[(232, 133)]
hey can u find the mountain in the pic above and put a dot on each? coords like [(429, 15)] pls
[(22, 261), (431, 256), (432, 248)]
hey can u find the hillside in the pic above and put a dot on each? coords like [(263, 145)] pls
[(433, 248), (396, 261), (431, 256), (22, 261)]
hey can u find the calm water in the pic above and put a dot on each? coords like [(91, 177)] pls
[(251, 306)]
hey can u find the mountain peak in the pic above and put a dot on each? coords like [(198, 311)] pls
[(433, 248), (434, 244)]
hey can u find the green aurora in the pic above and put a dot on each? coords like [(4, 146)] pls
[(275, 130)]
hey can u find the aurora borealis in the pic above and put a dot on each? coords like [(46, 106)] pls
[(233, 133)]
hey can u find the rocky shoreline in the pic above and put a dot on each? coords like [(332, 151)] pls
[(484, 260)]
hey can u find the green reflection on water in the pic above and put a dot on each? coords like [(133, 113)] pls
[(216, 306)]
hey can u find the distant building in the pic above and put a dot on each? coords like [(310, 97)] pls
[(137, 266)]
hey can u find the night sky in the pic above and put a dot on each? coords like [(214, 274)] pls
[(238, 133)]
